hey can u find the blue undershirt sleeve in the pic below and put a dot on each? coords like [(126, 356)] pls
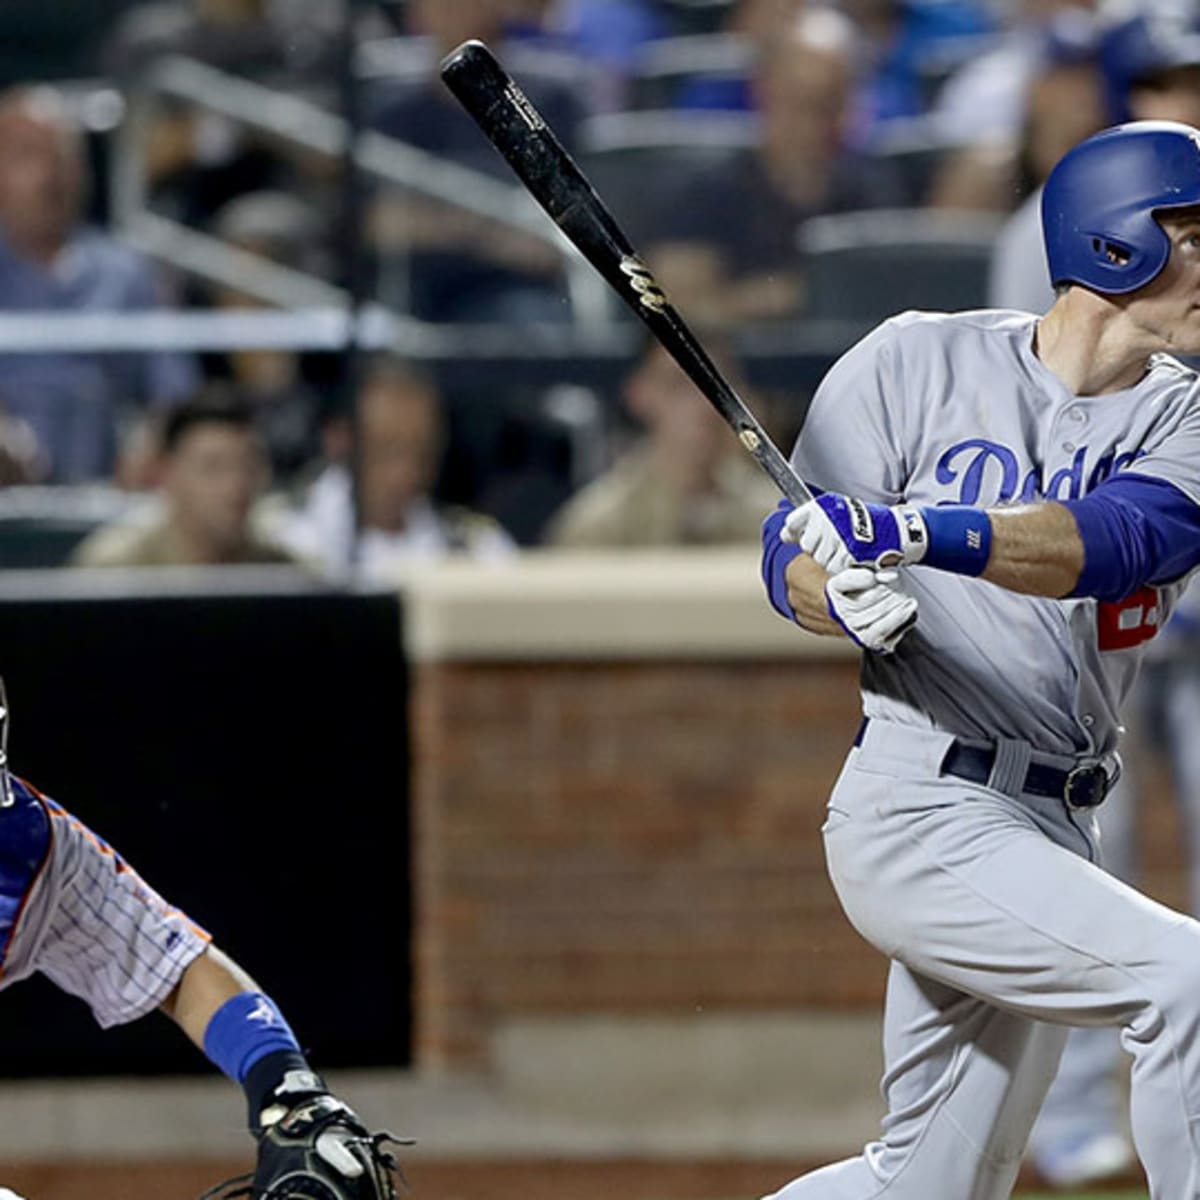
[(775, 558), (1136, 530)]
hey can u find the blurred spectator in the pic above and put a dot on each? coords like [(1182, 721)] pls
[(443, 263), (762, 20), (755, 24), (908, 42), (1067, 103), (211, 470), (197, 161), (609, 33), (984, 100), (1150, 52), (400, 438), (284, 229), (21, 460), (728, 267), (684, 481), (260, 39), (49, 261), (902, 44), (1148, 60), (979, 111)]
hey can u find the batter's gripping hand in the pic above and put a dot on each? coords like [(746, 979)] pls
[(842, 531), (316, 1149), (871, 606)]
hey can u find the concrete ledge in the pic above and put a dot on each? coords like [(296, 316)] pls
[(640, 604), (749, 1087)]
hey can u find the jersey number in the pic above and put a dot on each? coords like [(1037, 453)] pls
[(1123, 624)]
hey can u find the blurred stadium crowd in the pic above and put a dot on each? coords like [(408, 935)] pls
[(194, 195)]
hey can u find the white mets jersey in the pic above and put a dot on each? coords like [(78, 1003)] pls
[(73, 909)]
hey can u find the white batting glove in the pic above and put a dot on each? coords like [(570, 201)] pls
[(841, 531), (872, 606)]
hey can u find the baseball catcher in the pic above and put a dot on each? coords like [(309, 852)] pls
[(73, 909)]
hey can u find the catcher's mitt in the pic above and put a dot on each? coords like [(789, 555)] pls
[(317, 1150)]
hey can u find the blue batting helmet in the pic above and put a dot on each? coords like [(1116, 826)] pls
[(1099, 202)]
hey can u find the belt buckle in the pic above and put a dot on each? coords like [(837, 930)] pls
[(1086, 786)]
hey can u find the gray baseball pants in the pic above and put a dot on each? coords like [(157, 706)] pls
[(1002, 935)]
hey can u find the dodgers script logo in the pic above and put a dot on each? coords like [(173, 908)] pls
[(987, 472)]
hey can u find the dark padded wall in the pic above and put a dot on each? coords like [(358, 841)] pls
[(248, 754)]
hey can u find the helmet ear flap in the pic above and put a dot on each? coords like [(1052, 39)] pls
[(1119, 264), (1110, 251)]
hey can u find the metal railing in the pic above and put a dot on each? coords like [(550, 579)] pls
[(299, 122)]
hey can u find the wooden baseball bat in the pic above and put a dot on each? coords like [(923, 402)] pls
[(519, 132)]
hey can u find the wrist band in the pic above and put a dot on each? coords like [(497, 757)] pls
[(960, 538), (244, 1029)]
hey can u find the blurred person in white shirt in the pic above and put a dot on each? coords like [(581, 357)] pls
[(400, 439)]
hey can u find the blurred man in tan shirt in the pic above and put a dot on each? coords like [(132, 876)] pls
[(684, 482)]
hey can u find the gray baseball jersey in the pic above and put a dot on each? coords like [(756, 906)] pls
[(1001, 928), (957, 409)]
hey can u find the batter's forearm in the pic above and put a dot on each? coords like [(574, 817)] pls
[(1046, 548), (806, 595), (1036, 549)]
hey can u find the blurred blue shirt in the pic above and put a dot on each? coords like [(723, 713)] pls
[(74, 401)]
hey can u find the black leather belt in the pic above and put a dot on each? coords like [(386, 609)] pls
[(1080, 787)]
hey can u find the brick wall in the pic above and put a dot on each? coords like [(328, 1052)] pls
[(640, 838), (627, 838), (1160, 833)]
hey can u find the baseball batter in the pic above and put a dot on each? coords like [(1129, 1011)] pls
[(73, 909), (1031, 488)]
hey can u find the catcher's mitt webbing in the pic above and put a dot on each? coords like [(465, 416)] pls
[(318, 1150)]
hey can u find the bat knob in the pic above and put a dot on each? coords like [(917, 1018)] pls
[(469, 56)]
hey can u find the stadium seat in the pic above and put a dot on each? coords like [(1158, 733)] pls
[(40, 526), (44, 42), (865, 266), (634, 157), (696, 16), (668, 65)]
